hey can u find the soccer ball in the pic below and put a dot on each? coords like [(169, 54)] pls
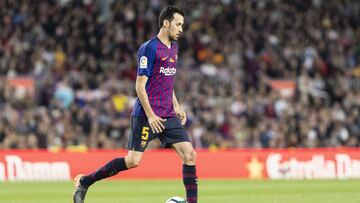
[(176, 200)]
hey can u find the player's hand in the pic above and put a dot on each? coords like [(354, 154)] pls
[(156, 123), (182, 115)]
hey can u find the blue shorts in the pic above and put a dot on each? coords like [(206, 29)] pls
[(141, 133)]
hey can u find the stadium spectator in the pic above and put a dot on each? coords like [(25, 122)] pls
[(82, 57)]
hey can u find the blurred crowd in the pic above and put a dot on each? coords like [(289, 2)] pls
[(81, 55)]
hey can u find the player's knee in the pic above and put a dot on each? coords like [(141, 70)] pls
[(190, 157), (132, 162)]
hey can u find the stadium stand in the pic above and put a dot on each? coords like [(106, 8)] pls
[(252, 74)]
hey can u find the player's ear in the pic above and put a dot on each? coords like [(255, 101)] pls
[(166, 23)]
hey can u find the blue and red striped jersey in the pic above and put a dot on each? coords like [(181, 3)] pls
[(158, 63)]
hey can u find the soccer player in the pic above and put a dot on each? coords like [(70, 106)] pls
[(157, 112)]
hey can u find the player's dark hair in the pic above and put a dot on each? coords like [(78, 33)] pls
[(168, 14)]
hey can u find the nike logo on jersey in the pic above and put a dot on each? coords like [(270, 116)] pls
[(164, 58)]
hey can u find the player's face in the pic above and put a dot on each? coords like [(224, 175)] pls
[(175, 28)]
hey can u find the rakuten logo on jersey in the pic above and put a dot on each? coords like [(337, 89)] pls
[(168, 71)]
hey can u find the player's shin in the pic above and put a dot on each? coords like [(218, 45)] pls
[(110, 169), (190, 182)]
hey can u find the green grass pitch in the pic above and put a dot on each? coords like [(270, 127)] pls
[(211, 191)]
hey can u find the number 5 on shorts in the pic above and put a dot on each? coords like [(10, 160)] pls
[(145, 133)]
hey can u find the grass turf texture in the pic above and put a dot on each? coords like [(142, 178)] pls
[(211, 191)]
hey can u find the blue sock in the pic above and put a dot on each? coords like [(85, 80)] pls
[(110, 169), (190, 182)]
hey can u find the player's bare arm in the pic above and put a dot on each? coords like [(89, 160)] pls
[(178, 110), (154, 120)]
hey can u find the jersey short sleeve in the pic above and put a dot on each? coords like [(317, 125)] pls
[(146, 57)]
